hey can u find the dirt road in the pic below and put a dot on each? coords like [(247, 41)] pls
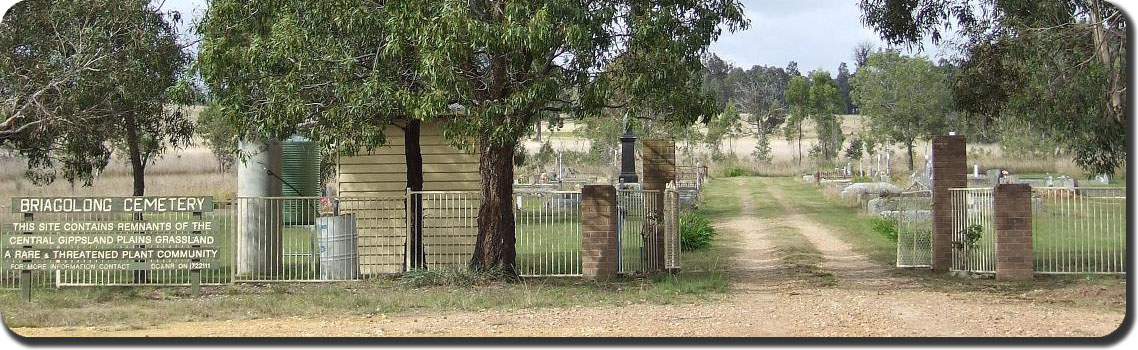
[(863, 299)]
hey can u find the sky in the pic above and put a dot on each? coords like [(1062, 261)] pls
[(818, 34)]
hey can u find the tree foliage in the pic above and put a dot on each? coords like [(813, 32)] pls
[(798, 101), (79, 79), (1056, 66), (823, 103), (492, 67), (904, 99)]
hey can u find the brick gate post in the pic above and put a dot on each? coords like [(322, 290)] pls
[(598, 229), (950, 169), (1014, 258), (659, 169)]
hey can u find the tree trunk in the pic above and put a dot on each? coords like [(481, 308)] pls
[(137, 166), (137, 171), (909, 146), (800, 145), (495, 244), (538, 138), (414, 160)]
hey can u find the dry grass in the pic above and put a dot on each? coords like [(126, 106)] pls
[(189, 172)]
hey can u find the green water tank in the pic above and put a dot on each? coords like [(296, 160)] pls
[(300, 171)]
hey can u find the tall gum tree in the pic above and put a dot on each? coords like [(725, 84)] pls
[(904, 99), (1058, 66), (508, 61), (491, 68)]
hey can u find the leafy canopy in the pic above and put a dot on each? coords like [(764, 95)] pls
[(75, 76), (1054, 66)]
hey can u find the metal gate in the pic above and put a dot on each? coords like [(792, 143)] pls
[(911, 215)]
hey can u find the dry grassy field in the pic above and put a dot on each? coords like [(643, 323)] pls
[(194, 171)]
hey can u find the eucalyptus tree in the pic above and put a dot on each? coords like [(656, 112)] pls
[(903, 99), (798, 101), (492, 68), (1058, 66), (762, 98), (80, 79), (823, 103)]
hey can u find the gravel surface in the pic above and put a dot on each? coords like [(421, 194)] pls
[(865, 299)]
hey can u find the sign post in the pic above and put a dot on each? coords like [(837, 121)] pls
[(196, 273), (25, 274)]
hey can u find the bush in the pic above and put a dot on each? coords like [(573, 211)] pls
[(735, 171), (696, 232), (885, 227)]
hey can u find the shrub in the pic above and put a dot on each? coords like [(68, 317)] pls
[(735, 171), (696, 232), (885, 227)]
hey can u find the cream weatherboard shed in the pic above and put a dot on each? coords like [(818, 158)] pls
[(449, 218)]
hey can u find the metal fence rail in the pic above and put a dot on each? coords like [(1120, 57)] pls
[(672, 229), (450, 226), (973, 237), (1079, 230), (315, 239), (636, 227), (548, 230), (311, 239)]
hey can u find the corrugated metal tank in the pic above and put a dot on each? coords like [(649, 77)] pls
[(300, 170)]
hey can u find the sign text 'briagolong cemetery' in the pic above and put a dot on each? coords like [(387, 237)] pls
[(37, 205)]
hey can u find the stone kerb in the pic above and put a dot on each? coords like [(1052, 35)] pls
[(1014, 255), (950, 170), (598, 228)]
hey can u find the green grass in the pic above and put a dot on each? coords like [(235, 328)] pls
[(838, 216)]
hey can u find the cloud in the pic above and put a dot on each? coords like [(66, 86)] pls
[(818, 34)]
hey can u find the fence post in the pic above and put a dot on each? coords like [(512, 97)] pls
[(599, 234), (26, 275), (950, 158), (195, 273), (659, 169), (1014, 256)]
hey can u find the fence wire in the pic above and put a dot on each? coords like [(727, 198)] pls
[(911, 213)]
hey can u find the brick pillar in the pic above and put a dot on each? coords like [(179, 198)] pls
[(598, 226), (950, 170), (659, 160), (1014, 258)]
